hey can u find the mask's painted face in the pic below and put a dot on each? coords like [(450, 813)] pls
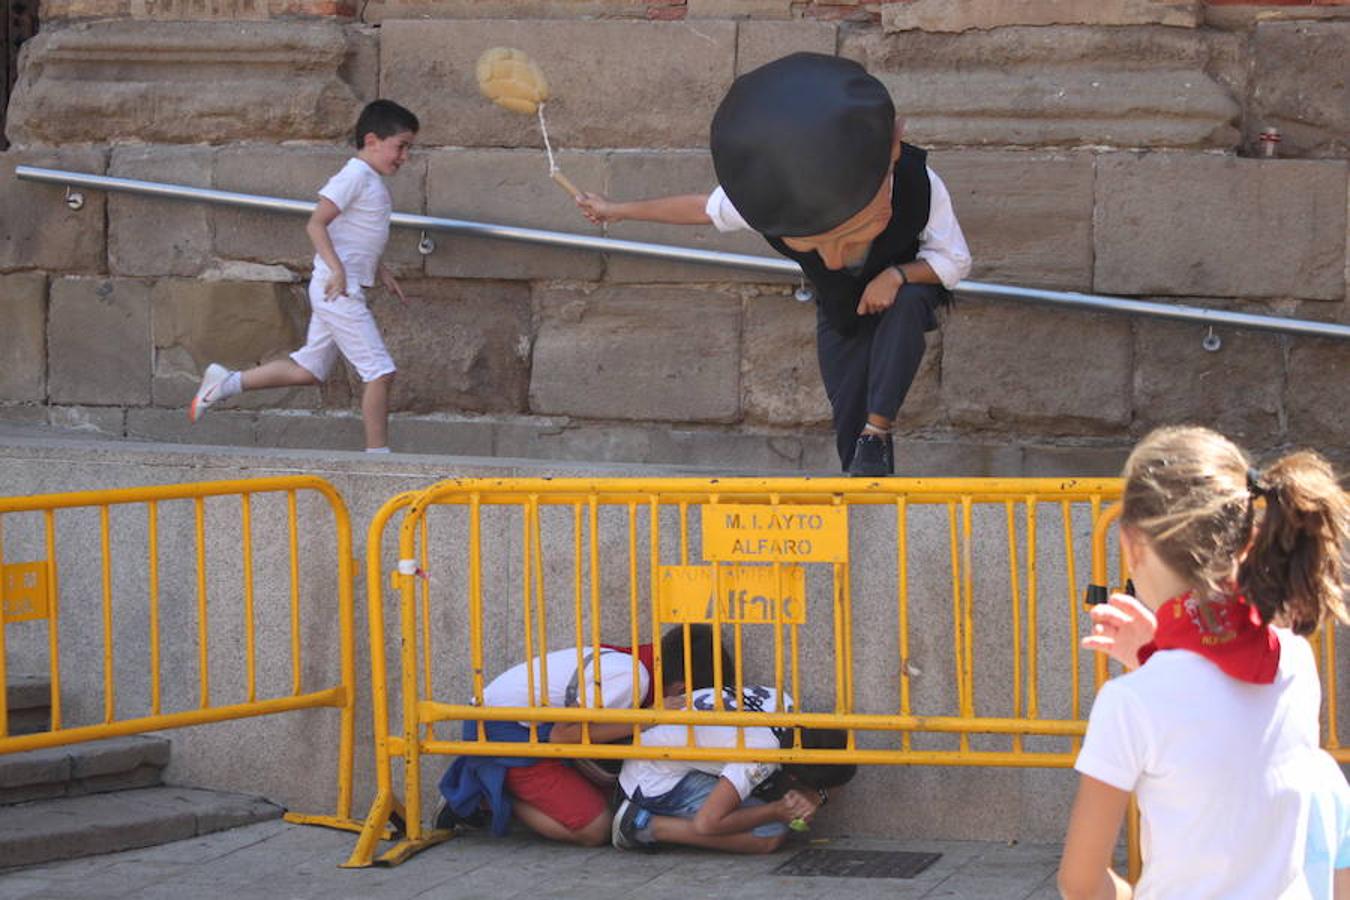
[(847, 244)]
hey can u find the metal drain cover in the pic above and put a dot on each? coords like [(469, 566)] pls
[(857, 863)]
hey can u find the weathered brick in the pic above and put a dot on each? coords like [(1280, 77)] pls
[(1027, 217), (941, 15), (1008, 366), (658, 353), (738, 9), (150, 236), (23, 340), (635, 176), (49, 235), (1315, 395), (299, 172), (99, 341), (1220, 227), (664, 80), (1299, 86), (459, 345), (1236, 390), (760, 42), (510, 187)]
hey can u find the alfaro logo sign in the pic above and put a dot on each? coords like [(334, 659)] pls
[(756, 533), (748, 595), (24, 589)]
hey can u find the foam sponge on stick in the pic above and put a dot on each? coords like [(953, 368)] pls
[(510, 79)]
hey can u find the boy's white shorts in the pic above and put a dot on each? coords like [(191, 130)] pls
[(342, 325)]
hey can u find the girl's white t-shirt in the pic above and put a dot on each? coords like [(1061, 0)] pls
[(1222, 769)]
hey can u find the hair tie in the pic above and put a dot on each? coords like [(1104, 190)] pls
[(1254, 484)]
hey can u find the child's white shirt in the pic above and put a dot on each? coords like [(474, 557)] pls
[(361, 230), (1221, 769), (512, 687), (655, 777)]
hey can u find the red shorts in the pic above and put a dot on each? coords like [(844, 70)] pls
[(558, 791)]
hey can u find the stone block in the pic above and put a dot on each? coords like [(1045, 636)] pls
[(152, 236), (662, 80), (739, 9), (1073, 462), (510, 187), (23, 414), (1236, 390), (1052, 86), (1027, 216), (299, 173), (940, 15), (23, 340), (639, 175), (340, 431), (380, 11), (98, 341), (362, 67), (53, 11), (760, 42), (459, 345), (650, 353), (48, 234), (441, 435), (1300, 87), (102, 420), (237, 324), (183, 82), (1314, 399), (1010, 366), (222, 427), (1219, 226), (781, 377)]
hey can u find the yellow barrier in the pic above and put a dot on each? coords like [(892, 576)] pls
[(31, 591), (759, 542)]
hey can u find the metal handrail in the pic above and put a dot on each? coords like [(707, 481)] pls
[(767, 265)]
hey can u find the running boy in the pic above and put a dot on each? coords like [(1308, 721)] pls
[(553, 797), (722, 805), (349, 228), (808, 153)]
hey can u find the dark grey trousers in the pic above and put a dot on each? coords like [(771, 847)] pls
[(870, 371)]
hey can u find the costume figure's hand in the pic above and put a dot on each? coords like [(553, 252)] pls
[(391, 285), (880, 293), (336, 285), (1120, 626), (597, 208)]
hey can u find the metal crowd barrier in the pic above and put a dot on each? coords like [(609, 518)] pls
[(511, 568), (170, 586)]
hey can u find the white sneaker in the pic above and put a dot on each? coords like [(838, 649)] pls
[(209, 392)]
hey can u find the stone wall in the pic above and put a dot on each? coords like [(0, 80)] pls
[(1093, 146)]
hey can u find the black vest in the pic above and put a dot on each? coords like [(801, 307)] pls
[(837, 290)]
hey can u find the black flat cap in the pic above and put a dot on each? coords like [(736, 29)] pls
[(803, 143)]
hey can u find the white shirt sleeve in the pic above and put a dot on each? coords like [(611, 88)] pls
[(1116, 748), (343, 187), (941, 243), (616, 681), (724, 216), (746, 776)]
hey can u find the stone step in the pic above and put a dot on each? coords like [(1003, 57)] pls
[(70, 827), (29, 701), (95, 767)]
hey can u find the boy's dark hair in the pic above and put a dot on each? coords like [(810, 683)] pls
[(700, 655), (819, 775), (383, 118)]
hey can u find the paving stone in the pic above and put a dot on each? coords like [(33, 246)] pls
[(23, 342), (1212, 226), (50, 235), (1293, 88), (937, 15), (150, 236), (665, 80), (649, 353), (99, 325), (760, 42)]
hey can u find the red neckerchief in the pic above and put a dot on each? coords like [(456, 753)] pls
[(1227, 632), (647, 656)]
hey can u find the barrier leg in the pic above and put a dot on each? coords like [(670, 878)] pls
[(385, 823)]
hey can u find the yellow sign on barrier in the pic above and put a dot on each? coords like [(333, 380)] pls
[(756, 533), (24, 591), (747, 595)]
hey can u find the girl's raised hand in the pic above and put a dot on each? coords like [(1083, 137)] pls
[(1120, 626)]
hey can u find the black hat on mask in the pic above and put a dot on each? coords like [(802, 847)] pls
[(803, 143)]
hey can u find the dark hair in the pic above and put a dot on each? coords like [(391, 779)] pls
[(701, 670), (383, 118), (1196, 498), (819, 775)]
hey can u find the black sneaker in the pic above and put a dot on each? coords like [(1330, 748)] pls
[(628, 821), (873, 457), (446, 819)]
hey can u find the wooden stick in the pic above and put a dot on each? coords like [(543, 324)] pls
[(565, 183)]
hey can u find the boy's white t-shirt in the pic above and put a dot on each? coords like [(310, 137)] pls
[(1221, 769), (655, 777), (512, 687), (361, 231)]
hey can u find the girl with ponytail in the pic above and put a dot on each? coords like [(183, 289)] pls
[(1216, 728)]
